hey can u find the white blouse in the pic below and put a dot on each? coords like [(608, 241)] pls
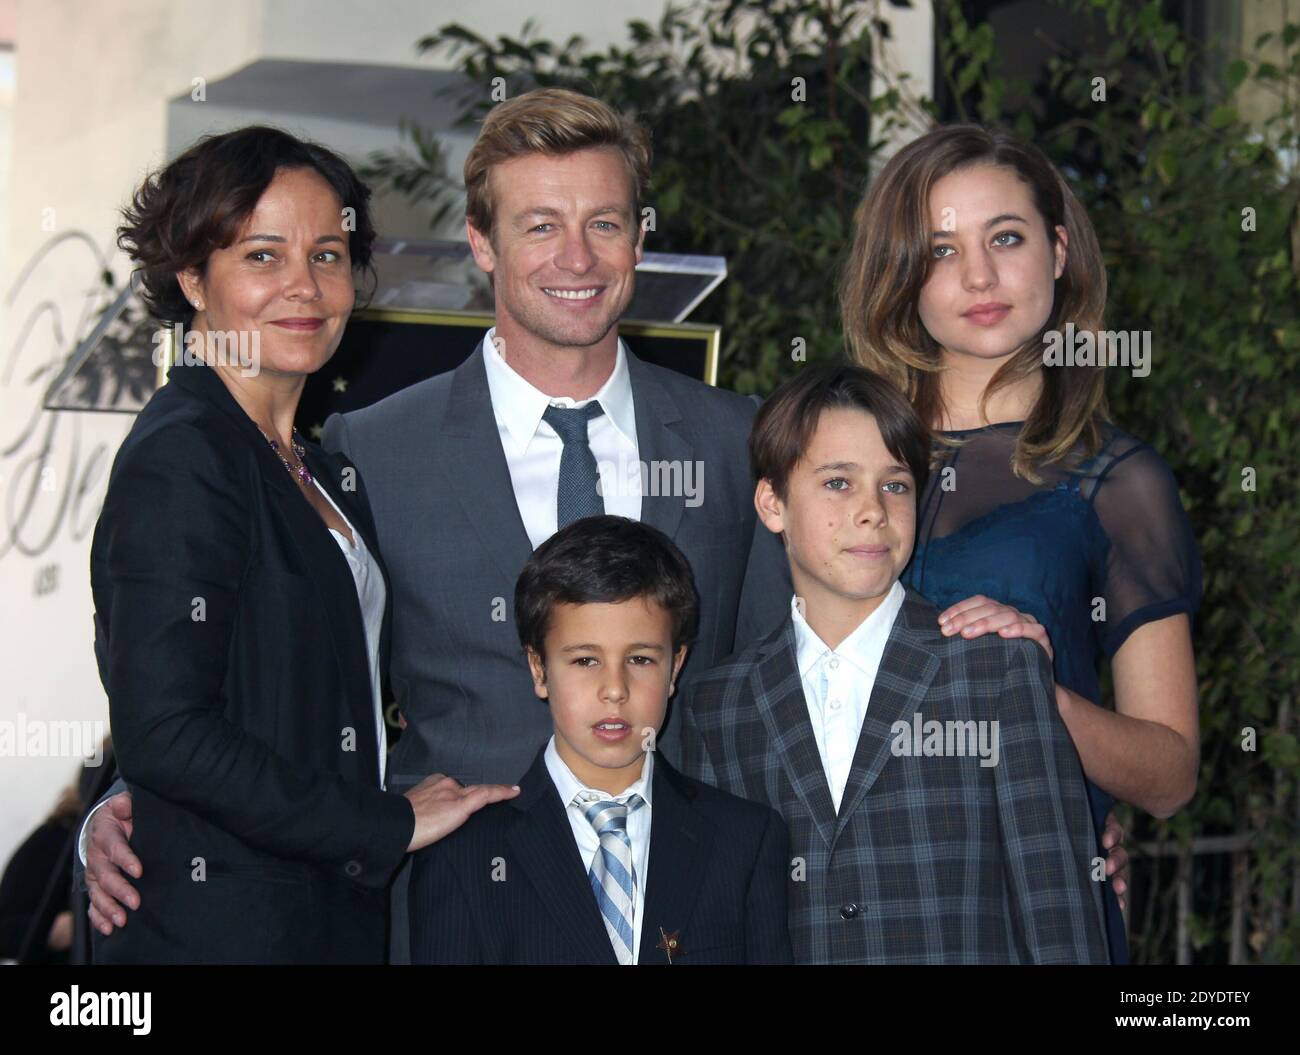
[(373, 596)]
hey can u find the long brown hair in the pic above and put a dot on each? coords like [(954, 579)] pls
[(890, 261)]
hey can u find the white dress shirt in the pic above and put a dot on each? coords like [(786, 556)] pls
[(372, 596), (575, 796), (837, 684), (532, 448)]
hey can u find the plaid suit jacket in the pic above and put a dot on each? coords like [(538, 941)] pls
[(933, 857)]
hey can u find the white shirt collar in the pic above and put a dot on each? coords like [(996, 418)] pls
[(856, 648), (569, 785), (519, 406)]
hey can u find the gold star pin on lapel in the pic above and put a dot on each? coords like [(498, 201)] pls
[(670, 943)]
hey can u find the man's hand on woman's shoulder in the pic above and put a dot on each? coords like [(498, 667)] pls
[(108, 860)]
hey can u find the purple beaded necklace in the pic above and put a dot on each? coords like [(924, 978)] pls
[(300, 472)]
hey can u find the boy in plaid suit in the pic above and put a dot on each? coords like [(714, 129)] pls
[(936, 804)]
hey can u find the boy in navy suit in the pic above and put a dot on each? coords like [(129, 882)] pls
[(568, 872)]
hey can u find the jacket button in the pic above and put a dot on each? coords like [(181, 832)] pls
[(849, 911), (353, 868)]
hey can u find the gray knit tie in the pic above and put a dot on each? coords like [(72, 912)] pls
[(577, 495)]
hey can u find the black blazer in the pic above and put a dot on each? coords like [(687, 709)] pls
[(231, 644), (510, 886)]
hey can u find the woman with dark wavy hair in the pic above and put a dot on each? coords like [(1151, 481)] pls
[(241, 606), (975, 282)]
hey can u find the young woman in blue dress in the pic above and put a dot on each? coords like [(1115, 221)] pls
[(1043, 519)]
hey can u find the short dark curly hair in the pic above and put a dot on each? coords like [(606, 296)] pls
[(197, 204), (604, 560)]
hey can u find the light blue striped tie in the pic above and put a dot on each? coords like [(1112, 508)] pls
[(612, 875)]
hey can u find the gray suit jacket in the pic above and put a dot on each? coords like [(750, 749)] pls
[(931, 858), (454, 543)]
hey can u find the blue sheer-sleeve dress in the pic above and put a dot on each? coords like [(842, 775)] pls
[(1096, 550)]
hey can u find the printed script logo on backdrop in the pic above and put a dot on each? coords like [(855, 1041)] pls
[(52, 477)]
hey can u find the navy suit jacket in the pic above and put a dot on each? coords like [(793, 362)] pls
[(510, 885), (232, 648)]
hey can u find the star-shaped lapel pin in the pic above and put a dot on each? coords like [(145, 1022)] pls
[(340, 384), (670, 943)]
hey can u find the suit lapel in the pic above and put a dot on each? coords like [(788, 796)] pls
[(678, 856), (907, 667), (779, 695), (480, 477), (657, 442), (543, 845), (338, 589), (476, 466), (328, 469)]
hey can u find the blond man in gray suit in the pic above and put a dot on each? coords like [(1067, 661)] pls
[(550, 419)]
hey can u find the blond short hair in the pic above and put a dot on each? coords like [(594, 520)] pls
[(553, 121)]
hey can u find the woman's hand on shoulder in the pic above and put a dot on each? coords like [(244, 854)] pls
[(982, 615), (442, 805)]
